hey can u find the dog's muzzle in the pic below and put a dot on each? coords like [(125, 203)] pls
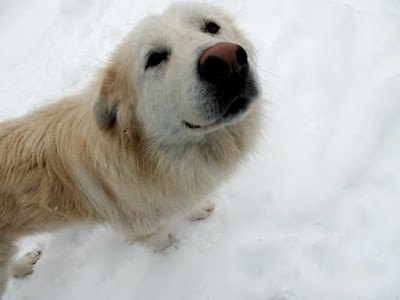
[(223, 70)]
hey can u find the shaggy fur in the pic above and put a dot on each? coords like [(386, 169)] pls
[(115, 153)]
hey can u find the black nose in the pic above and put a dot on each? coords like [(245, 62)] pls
[(223, 63)]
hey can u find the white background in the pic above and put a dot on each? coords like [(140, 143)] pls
[(314, 214)]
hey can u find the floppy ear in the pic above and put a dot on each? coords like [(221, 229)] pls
[(113, 105), (104, 114), (105, 105)]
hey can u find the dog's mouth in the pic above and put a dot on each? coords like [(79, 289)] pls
[(191, 126), (236, 108)]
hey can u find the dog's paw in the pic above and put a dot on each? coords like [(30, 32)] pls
[(157, 242), (161, 243), (203, 212), (23, 266)]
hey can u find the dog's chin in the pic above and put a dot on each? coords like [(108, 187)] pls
[(235, 112)]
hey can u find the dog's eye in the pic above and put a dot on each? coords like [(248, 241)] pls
[(156, 58), (212, 28)]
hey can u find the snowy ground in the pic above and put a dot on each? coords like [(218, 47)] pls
[(314, 215)]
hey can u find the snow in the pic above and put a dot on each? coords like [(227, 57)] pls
[(314, 214)]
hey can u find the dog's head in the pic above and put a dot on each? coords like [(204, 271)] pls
[(186, 73)]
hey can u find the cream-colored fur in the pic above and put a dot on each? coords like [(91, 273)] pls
[(118, 153)]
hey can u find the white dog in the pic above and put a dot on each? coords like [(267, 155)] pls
[(166, 121)]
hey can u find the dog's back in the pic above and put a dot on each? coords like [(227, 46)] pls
[(34, 173)]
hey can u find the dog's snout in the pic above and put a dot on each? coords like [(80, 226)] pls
[(223, 62)]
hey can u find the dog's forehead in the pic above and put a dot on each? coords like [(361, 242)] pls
[(179, 18), (190, 12)]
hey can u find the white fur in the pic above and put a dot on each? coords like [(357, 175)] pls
[(120, 153)]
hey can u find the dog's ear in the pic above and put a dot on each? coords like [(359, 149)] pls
[(105, 106), (113, 105), (104, 113)]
